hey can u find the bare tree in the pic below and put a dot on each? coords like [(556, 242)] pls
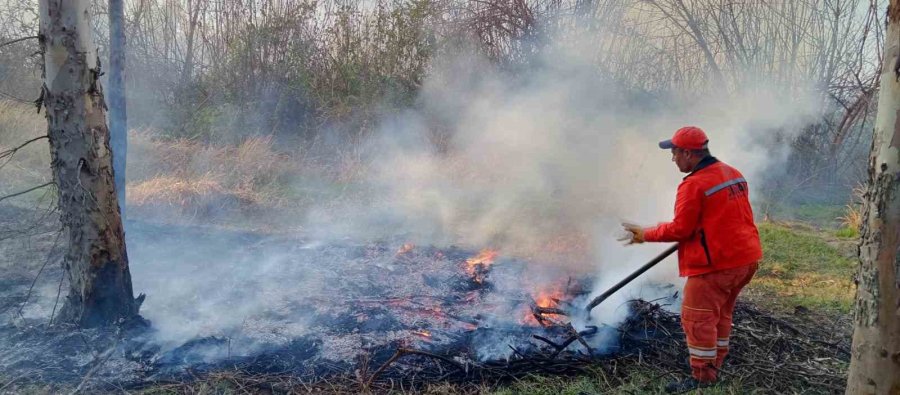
[(875, 361), (118, 116), (96, 262)]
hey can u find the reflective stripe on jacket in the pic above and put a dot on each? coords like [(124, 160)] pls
[(713, 221)]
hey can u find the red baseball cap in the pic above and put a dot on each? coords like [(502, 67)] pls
[(688, 137)]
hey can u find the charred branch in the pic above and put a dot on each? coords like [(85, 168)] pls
[(548, 310), (766, 347), (406, 351)]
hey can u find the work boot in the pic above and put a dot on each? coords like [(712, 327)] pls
[(688, 384)]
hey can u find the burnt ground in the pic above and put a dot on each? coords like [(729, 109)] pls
[(220, 299), (281, 313)]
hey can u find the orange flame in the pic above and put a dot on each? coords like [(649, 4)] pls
[(406, 248), (423, 334), (479, 262), (546, 298)]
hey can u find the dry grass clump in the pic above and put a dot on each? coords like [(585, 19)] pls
[(174, 191), (851, 221), (183, 177), (253, 162), (188, 178), (200, 197)]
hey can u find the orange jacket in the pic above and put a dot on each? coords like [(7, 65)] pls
[(713, 222)]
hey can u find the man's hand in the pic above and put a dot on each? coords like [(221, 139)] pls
[(635, 234)]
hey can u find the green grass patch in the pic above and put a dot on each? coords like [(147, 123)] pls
[(847, 233), (804, 267), (822, 215)]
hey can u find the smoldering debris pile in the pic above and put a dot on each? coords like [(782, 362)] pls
[(268, 305), (776, 354), (771, 353), (282, 314)]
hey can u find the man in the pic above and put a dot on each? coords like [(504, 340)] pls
[(718, 249)]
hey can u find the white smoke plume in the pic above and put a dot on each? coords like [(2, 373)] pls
[(542, 163), (547, 162)]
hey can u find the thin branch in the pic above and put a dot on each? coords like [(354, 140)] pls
[(16, 98), (49, 256), (99, 361), (2, 198), (17, 40), (16, 379), (58, 292), (406, 351), (10, 152)]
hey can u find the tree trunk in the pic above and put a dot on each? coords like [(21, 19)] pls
[(875, 360), (188, 69), (96, 262), (118, 118)]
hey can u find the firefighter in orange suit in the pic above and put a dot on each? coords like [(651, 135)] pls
[(718, 249)]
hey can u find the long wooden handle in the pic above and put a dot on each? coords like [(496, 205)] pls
[(631, 277)]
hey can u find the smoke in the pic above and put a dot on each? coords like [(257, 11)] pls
[(542, 162), (546, 162), (222, 284)]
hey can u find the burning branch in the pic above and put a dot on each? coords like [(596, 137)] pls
[(477, 266), (548, 310)]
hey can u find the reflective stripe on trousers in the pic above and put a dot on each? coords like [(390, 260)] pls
[(706, 314)]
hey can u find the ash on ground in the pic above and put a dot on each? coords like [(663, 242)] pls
[(262, 303)]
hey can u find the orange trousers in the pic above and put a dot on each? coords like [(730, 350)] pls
[(706, 317)]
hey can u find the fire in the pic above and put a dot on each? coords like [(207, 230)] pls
[(485, 258), (478, 264), (548, 299), (405, 248), (423, 334)]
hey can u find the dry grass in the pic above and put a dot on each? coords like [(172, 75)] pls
[(253, 163), (183, 177), (852, 218), (851, 221), (172, 190)]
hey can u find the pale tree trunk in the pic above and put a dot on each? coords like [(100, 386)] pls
[(188, 69), (875, 360), (118, 118), (96, 261)]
